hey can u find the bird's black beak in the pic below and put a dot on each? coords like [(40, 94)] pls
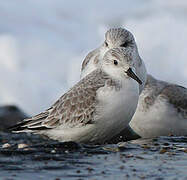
[(131, 74)]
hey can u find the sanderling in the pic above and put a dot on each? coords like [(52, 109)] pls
[(115, 37), (161, 110), (98, 107)]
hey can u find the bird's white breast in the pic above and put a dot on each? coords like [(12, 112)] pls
[(116, 107)]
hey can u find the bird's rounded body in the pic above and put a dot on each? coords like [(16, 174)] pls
[(94, 110), (110, 117), (161, 110)]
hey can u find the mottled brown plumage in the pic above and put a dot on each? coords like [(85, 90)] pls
[(94, 109), (77, 106)]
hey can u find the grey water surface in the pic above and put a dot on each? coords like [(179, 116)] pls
[(158, 159)]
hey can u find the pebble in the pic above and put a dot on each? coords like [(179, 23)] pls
[(21, 146), (162, 151), (6, 145), (53, 151)]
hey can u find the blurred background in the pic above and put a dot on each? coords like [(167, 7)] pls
[(43, 42)]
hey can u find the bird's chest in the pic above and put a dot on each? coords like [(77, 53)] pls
[(118, 101)]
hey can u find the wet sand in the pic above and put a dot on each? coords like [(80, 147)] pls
[(158, 159)]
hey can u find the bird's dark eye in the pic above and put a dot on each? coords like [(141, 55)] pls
[(125, 44), (106, 44), (115, 62)]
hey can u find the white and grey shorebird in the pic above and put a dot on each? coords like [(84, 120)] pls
[(161, 110), (115, 37), (98, 107)]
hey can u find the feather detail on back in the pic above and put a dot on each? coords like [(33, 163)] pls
[(76, 107), (177, 96), (174, 94)]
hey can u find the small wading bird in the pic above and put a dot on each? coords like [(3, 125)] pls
[(97, 108)]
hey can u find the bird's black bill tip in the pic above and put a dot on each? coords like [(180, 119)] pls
[(131, 74)]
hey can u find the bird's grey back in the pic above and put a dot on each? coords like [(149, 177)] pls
[(76, 107), (174, 94)]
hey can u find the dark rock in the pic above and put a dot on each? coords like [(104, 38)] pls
[(9, 116)]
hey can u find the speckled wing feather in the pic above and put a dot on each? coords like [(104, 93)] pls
[(76, 107), (177, 96)]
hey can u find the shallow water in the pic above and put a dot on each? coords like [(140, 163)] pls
[(159, 158)]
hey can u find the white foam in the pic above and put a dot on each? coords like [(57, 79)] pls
[(42, 43)]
